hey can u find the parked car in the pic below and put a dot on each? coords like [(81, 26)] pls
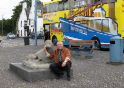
[(11, 36), (0, 39), (40, 35)]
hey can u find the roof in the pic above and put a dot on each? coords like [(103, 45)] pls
[(27, 10)]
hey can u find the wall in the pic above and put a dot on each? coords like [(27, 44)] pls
[(39, 19), (22, 18), (120, 16)]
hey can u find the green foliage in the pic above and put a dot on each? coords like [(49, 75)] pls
[(16, 12), (8, 26)]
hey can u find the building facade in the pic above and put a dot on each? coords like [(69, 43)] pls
[(27, 19), (22, 21)]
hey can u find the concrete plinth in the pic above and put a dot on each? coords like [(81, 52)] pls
[(31, 74)]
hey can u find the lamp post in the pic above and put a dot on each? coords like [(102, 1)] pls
[(35, 21), (2, 24)]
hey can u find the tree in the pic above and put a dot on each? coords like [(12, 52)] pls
[(9, 25), (16, 13)]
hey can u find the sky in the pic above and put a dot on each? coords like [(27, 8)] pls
[(6, 7)]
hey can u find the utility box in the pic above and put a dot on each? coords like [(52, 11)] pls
[(116, 50)]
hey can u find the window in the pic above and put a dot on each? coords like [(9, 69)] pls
[(55, 6), (44, 9), (25, 22), (98, 24), (115, 25), (105, 25), (47, 27), (21, 32), (71, 4), (55, 26), (61, 6), (29, 21), (66, 6), (80, 3), (102, 25), (51, 7), (33, 29), (21, 23), (47, 8)]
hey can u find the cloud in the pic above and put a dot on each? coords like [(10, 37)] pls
[(6, 7)]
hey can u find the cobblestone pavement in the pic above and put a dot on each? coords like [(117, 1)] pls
[(88, 73)]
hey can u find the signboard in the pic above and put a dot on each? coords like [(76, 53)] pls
[(39, 8)]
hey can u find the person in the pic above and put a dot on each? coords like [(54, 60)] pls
[(62, 61), (46, 35)]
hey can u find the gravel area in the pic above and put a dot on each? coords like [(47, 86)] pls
[(17, 42), (87, 73)]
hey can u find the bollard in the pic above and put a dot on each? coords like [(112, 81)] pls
[(26, 41)]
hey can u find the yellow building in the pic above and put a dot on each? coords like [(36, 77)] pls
[(119, 16), (116, 12)]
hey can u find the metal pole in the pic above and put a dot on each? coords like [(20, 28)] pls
[(35, 22), (2, 24)]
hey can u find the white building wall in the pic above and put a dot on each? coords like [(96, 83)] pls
[(22, 20), (30, 22), (32, 16)]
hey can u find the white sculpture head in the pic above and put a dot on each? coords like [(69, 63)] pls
[(48, 43)]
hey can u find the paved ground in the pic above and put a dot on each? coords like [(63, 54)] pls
[(88, 73), (17, 42)]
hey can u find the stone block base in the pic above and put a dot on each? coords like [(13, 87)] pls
[(31, 74)]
